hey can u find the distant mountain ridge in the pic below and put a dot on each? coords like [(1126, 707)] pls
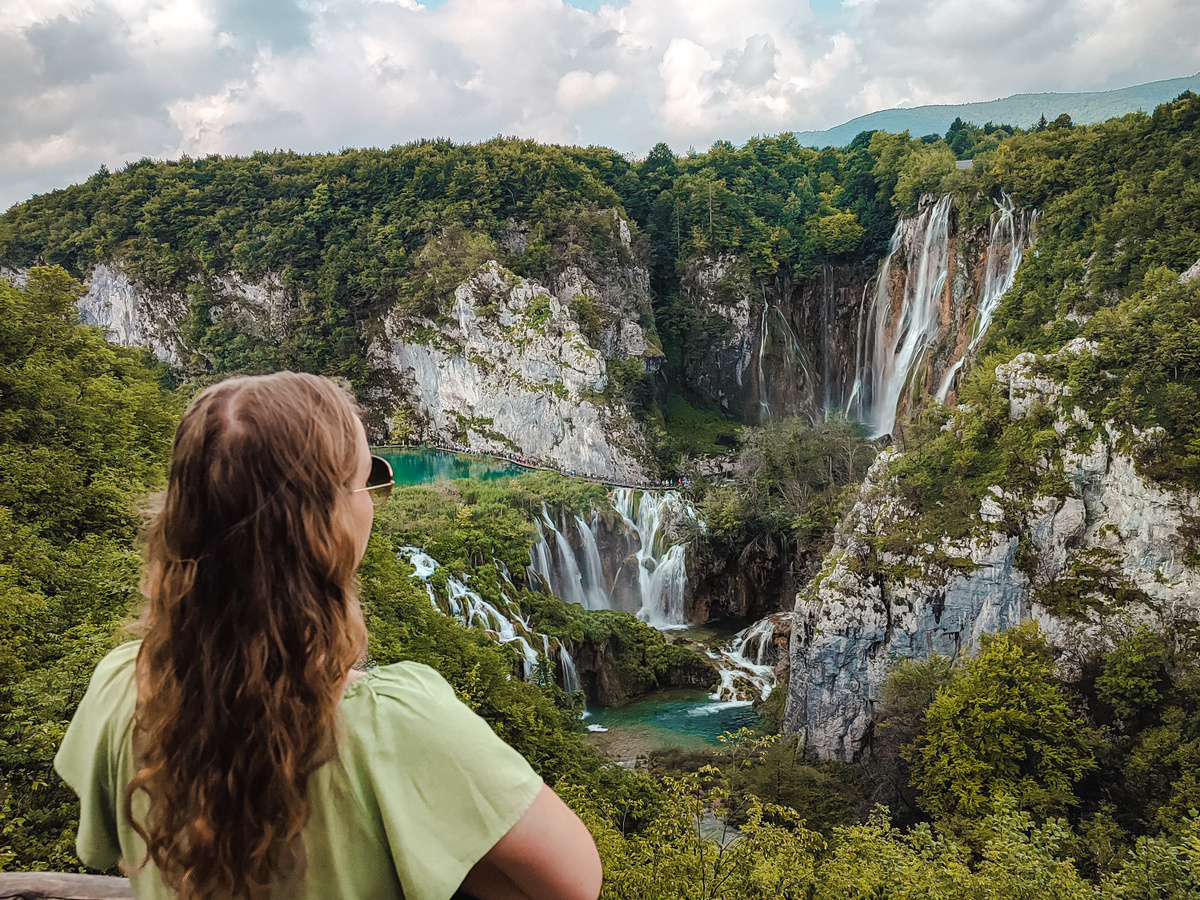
[(1020, 109)]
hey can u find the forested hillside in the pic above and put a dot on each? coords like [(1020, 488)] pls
[(1057, 760)]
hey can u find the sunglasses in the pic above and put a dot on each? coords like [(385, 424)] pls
[(380, 482)]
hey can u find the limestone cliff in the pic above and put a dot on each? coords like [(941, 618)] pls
[(511, 371), (1059, 558)]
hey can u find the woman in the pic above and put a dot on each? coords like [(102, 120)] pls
[(235, 752)]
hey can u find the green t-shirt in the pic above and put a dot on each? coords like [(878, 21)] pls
[(420, 791)]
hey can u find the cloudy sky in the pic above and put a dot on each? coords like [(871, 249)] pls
[(86, 82)]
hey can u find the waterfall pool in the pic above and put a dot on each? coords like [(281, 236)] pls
[(416, 467), (676, 718)]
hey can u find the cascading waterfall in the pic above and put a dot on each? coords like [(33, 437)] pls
[(574, 571), (571, 683), (1010, 233), (890, 354), (557, 569), (661, 567), (745, 659), (593, 569), (505, 625)]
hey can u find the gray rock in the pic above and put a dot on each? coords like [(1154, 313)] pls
[(518, 376)]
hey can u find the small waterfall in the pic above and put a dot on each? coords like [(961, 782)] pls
[(828, 312), (746, 658), (540, 568), (656, 570), (1009, 234), (570, 674), (505, 626), (764, 405), (891, 352), (795, 367)]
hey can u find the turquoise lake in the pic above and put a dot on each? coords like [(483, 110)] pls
[(686, 719), (414, 467)]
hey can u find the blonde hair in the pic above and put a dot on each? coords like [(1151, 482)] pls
[(251, 628)]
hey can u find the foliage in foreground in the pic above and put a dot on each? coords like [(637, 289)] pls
[(690, 851)]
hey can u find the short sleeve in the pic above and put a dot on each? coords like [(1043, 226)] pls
[(447, 787), (89, 756)]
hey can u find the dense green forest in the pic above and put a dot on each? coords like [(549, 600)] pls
[(994, 776)]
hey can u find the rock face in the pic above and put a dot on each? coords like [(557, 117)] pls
[(510, 365), (613, 674), (783, 347), (869, 607), (114, 303), (512, 372), (747, 581)]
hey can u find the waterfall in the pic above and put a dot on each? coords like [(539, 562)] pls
[(576, 576), (570, 674), (795, 365), (891, 353), (656, 570), (505, 626), (764, 406), (593, 571), (1010, 232), (828, 312), (746, 659), (661, 568)]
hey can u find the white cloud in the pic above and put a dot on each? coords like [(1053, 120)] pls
[(578, 89), (87, 82)]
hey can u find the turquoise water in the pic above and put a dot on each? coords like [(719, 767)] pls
[(413, 467), (686, 719)]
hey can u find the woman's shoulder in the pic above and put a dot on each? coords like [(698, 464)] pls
[(114, 677), (408, 701), (403, 682)]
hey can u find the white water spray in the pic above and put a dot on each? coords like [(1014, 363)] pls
[(746, 659), (1009, 234)]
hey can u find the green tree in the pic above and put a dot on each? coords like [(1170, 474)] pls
[(1001, 728)]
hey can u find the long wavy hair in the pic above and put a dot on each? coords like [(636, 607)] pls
[(251, 628)]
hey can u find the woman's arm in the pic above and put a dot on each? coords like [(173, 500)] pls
[(548, 855)]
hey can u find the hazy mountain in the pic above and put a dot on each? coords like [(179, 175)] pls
[(1020, 109)]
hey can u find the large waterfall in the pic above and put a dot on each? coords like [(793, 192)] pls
[(1010, 232), (894, 344), (648, 573), (895, 339)]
